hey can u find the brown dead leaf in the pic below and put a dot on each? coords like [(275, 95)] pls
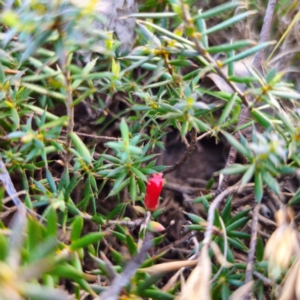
[(197, 285), (283, 244)]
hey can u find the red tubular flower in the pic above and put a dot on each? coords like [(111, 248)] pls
[(153, 191)]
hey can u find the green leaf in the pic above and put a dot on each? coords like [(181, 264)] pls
[(216, 11), (117, 210), (226, 213), (81, 148), (51, 181), (200, 125), (248, 174), (119, 188), (237, 145), (88, 239), (235, 242), (236, 169), (124, 132), (239, 234), (138, 173), (239, 223), (120, 236), (157, 294), (76, 228), (111, 158), (258, 187), (225, 291), (43, 91), (195, 218), (132, 188), (296, 198), (38, 292), (259, 249), (247, 53), (59, 122), (261, 118), (230, 46), (51, 222), (147, 283), (238, 216), (132, 247), (271, 182), (209, 183), (227, 110), (230, 22), (201, 25)]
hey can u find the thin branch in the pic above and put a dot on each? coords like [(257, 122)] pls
[(186, 155), (252, 248), (265, 32), (96, 137), (242, 201), (176, 243), (225, 251), (143, 230), (264, 279), (123, 279), (63, 60)]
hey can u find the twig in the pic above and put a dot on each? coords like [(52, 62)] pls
[(10, 210), (252, 248), (9, 198), (110, 269), (264, 279), (143, 230), (186, 155), (265, 221), (96, 137), (184, 189), (265, 32), (133, 223), (123, 279), (242, 201), (63, 57), (225, 251), (176, 243)]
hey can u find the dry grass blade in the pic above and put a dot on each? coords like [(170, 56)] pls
[(198, 284), (297, 16), (219, 255), (170, 266), (242, 291)]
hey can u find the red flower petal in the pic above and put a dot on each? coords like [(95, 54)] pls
[(153, 191)]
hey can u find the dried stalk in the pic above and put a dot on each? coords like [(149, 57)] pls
[(252, 249)]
